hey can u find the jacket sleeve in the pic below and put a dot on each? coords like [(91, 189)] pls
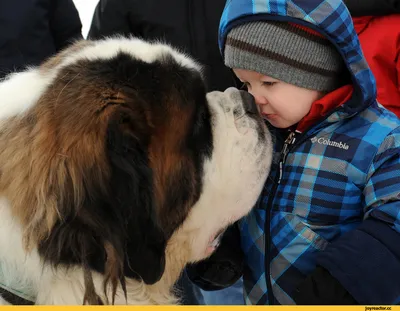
[(224, 267), (65, 23), (372, 7), (111, 17), (321, 288), (366, 261)]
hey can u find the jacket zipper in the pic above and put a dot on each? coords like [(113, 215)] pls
[(285, 150)]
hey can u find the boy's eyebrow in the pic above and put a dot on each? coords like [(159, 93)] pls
[(269, 78)]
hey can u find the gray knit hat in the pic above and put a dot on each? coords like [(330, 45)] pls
[(285, 51)]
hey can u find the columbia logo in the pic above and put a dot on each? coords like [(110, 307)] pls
[(327, 142)]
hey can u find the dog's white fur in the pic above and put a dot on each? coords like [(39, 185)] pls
[(233, 179)]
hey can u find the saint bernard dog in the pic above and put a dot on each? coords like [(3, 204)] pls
[(116, 170)]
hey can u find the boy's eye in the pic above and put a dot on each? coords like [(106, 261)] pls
[(268, 83)]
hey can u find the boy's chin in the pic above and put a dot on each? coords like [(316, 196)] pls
[(278, 122)]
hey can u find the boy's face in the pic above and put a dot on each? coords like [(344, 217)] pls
[(280, 103)]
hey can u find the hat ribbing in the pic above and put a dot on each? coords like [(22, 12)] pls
[(285, 51)]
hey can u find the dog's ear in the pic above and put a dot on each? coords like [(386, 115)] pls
[(132, 194)]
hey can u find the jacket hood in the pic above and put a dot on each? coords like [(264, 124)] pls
[(330, 18)]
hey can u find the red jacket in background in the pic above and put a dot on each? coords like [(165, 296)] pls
[(380, 41)]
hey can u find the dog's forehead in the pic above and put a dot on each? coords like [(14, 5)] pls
[(137, 48)]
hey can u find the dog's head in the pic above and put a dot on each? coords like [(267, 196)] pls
[(111, 147)]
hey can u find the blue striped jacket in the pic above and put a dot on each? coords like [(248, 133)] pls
[(335, 201)]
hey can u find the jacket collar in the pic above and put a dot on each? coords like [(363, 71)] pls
[(324, 106)]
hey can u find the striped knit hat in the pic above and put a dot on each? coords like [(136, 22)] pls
[(285, 51)]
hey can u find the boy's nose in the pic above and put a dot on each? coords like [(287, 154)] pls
[(260, 100)]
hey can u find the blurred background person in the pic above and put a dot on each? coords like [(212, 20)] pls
[(33, 30), (191, 25)]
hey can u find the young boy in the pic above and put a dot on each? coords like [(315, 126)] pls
[(327, 226)]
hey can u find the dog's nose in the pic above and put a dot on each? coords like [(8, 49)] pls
[(249, 102)]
